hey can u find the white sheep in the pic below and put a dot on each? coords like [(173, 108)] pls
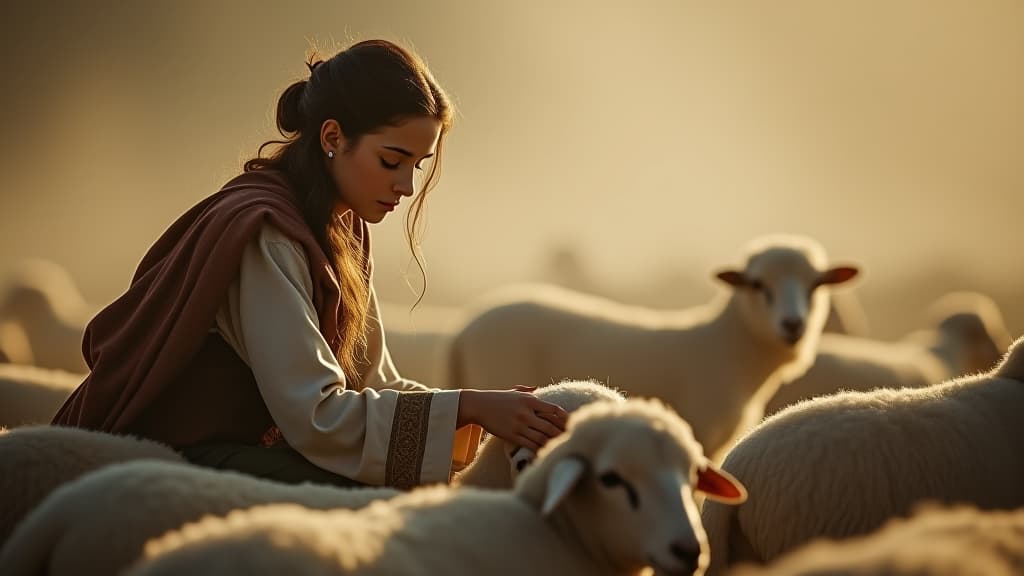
[(968, 337), (44, 301), (958, 541), (716, 365), (841, 465), (32, 395), (34, 460), (99, 524), (419, 341), (14, 346), (420, 355), (610, 496), (499, 462), (86, 518), (846, 315)]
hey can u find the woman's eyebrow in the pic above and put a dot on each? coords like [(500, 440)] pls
[(405, 152)]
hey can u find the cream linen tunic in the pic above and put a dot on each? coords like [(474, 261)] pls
[(387, 431)]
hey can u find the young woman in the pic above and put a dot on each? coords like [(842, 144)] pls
[(250, 337)]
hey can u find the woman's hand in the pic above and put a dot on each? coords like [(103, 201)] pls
[(516, 416)]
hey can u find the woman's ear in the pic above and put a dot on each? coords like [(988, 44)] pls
[(332, 139)]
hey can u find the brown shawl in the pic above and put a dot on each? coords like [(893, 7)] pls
[(140, 343)]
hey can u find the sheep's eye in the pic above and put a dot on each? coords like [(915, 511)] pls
[(520, 465), (759, 286), (613, 480)]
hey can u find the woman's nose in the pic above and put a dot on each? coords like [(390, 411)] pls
[(404, 186)]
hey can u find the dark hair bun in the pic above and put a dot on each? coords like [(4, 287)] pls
[(290, 116)]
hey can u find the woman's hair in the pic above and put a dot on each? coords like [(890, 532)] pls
[(366, 87)]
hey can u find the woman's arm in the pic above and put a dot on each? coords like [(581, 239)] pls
[(380, 437)]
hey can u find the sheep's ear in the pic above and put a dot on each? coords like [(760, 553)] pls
[(721, 486), (564, 476), (838, 275), (732, 278)]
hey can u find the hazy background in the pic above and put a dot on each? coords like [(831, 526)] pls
[(628, 148)]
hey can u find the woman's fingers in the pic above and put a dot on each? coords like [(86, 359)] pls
[(526, 442), (552, 413), (545, 427), (556, 419)]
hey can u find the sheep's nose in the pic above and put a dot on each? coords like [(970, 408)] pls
[(687, 553), (794, 327)]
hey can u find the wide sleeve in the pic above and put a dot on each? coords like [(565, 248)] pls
[(383, 374), (391, 436)]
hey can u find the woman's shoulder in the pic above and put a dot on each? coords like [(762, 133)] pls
[(261, 181)]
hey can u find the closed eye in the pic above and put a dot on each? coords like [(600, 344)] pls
[(389, 165), (613, 480)]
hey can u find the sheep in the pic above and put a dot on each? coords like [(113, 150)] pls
[(716, 365), (419, 346), (14, 346), (841, 465), (420, 354), (87, 515), (32, 395), (99, 524), (498, 462), (971, 336), (34, 460), (958, 541), (968, 337), (846, 315), (44, 301), (612, 495)]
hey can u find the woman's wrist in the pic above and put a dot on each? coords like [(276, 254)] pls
[(467, 408)]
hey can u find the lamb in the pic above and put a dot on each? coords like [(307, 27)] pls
[(846, 315), (34, 460), (32, 395), (419, 346), (86, 528), (717, 365), (968, 337), (610, 496), (420, 354), (841, 465), (958, 541), (88, 515), (498, 462), (43, 300)]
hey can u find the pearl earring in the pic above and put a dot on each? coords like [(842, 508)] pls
[(330, 153)]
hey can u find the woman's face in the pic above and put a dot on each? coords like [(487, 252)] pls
[(379, 171)]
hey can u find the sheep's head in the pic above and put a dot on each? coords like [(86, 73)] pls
[(777, 291), (972, 331), (570, 395), (621, 480)]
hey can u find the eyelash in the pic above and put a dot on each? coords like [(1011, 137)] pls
[(395, 166)]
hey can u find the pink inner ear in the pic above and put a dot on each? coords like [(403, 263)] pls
[(711, 482)]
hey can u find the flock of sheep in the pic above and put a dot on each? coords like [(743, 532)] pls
[(745, 436)]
